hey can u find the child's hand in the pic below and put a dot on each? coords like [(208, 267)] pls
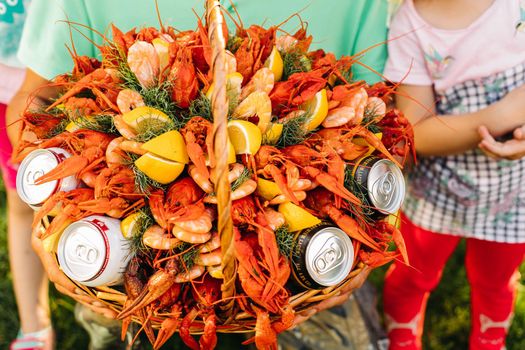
[(512, 149)]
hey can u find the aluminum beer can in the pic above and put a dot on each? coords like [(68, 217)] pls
[(36, 164), (322, 256), (382, 183), (93, 251)]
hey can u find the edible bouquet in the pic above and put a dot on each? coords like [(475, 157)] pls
[(122, 170)]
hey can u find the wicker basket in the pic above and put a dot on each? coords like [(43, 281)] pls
[(109, 301)]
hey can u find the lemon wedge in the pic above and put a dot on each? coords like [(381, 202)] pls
[(145, 117), (273, 134), (362, 142), (267, 189), (275, 63), (258, 104), (296, 217), (129, 225), (159, 169), (317, 107), (162, 48), (233, 86), (215, 271), (169, 145), (74, 125), (245, 137)]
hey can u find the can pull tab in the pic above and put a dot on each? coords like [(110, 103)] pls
[(329, 256), (32, 176), (83, 253), (383, 189)]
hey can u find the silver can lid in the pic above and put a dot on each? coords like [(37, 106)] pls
[(329, 256), (34, 165), (82, 251), (386, 186)]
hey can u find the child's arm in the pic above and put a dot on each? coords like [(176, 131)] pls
[(440, 135)]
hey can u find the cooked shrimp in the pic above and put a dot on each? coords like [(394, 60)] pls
[(190, 237), (376, 106), (200, 179), (128, 100), (155, 237), (285, 42), (234, 173), (263, 80), (350, 111), (301, 185), (123, 128), (113, 152), (212, 244), (191, 274), (202, 224), (144, 63), (275, 219), (132, 147), (300, 195), (247, 187), (210, 259)]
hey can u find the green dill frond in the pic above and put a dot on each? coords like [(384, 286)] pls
[(144, 221), (285, 240), (360, 192), (147, 130), (58, 129), (159, 97), (295, 62), (201, 106), (369, 120), (294, 131), (102, 123), (143, 182), (233, 44), (245, 175), (188, 255)]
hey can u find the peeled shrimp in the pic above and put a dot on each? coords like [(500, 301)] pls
[(194, 272), (263, 80), (209, 259), (234, 173), (247, 187), (350, 111), (144, 63), (123, 128), (257, 103), (199, 225), (155, 237), (376, 106), (300, 195), (200, 179), (212, 244), (275, 219), (128, 100)]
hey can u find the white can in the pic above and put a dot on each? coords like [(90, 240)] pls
[(93, 251), (37, 164)]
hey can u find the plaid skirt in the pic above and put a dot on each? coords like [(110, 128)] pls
[(470, 194)]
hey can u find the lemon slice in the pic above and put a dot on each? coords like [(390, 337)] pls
[(145, 117), (275, 63), (273, 134), (245, 137), (74, 125), (317, 107), (169, 145), (258, 104), (233, 86), (215, 271), (267, 189), (159, 169), (296, 217), (162, 48), (129, 225)]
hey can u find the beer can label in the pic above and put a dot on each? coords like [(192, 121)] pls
[(322, 256)]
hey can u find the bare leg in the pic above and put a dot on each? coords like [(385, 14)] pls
[(29, 279)]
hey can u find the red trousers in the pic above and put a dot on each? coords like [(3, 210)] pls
[(492, 271)]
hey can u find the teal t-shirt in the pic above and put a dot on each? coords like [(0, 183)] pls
[(12, 16), (344, 27)]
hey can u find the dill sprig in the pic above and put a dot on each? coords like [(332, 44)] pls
[(233, 44), (369, 120), (144, 221), (360, 192), (102, 123), (284, 240), (245, 175), (295, 62), (58, 129), (294, 131), (159, 97), (143, 182), (201, 106), (151, 128), (188, 255)]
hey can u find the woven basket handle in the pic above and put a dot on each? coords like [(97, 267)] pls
[(219, 103)]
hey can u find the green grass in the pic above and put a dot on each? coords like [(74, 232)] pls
[(447, 319)]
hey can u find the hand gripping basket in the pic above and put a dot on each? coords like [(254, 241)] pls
[(109, 301)]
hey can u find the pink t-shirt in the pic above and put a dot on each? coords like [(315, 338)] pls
[(420, 54), (10, 80)]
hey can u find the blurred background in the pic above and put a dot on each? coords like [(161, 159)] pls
[(446, 327)]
